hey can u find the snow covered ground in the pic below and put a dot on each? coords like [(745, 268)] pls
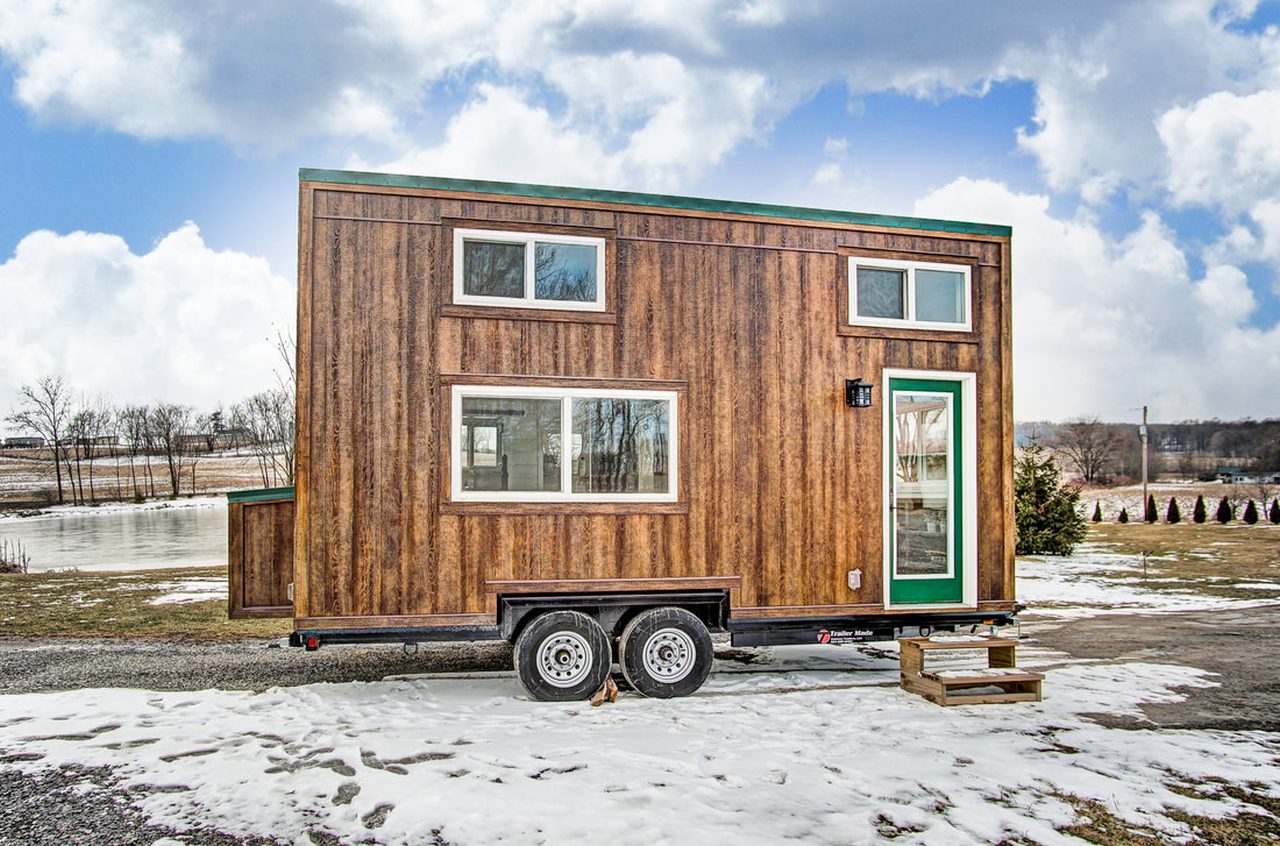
[(816, 744), (1094, 581), (215, 501), (191, 590), (764, 753)]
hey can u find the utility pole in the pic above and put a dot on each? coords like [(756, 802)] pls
[(1142, 435)]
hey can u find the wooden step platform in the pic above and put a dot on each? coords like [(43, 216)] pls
[(1000, 681)]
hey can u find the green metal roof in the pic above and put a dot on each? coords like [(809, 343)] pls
[(260, 495), (631, 198)]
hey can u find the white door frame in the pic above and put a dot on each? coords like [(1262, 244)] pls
[(968, 482)]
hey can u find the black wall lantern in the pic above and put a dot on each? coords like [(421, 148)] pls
[(857, 393)]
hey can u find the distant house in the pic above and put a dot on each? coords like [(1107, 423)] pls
[(232, 438), (1239, 476), (193, 442), (24, 443)]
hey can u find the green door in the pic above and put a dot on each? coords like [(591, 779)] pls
[(926, 506)]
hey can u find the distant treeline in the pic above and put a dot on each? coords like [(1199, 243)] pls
[(1205, 449), (75, 435)]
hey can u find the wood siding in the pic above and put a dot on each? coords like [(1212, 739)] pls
[(781, 481), (260, 547)]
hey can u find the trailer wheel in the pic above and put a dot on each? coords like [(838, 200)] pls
[(665, 652), (562, 656)]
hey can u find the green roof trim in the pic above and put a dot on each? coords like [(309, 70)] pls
[(631, 198), (260, 495)]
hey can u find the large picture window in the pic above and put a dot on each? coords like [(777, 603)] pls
[(923, 295), (528, 270), (541, 444)]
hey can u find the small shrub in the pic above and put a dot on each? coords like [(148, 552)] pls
[(1274, 515), (1199, 514), (1224, 511), (13, 558), (1097, 512), (1152, 515), (1044, 508), (1173, 515), (1250, 513), (1124, 516)]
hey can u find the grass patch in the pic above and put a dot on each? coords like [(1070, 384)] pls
[(1255, 824), (1209, 557), (80, 604)]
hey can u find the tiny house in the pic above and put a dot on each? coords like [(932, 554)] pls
[(603, 425)]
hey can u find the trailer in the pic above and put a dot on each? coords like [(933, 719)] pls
[(604, 425)]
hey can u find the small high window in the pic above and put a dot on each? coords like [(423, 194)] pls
[(909, 293), (528, 270), (509, 444)]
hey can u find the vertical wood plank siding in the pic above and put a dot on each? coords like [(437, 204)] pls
[(782, 480), (260, 546)]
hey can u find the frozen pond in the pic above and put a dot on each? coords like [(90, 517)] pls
[(188, 533)]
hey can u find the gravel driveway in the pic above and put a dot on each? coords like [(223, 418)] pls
[(33, 665)]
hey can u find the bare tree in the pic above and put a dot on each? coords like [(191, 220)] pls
[(210, 426), (286, 410), (132, 423), (44, 408), (1090, 445), (78, 436), (170, 426), (268, 419)]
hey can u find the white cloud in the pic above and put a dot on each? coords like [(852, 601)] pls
[(182, 322), (1105, 325), (1224, 150), (499, 135), (828, 173), (1099, 95), (665, 89)]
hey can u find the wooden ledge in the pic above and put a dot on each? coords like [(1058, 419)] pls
[(984, 643), (612, 585)]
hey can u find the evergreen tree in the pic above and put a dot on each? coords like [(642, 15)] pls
[(1224, 511), (1199, 514), (1274, 516), (1044, 509), (1173, 515), (1152, 515), (1250, 513), (1124, 515), (1097, 512)]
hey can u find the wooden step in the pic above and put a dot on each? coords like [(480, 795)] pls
[(1000, 681), (967, 642), (993, 675)]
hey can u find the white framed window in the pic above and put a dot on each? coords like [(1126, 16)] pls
[(511, 443), (528, 270), (922, 295)]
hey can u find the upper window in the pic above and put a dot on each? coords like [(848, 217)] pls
[(909, 293), (509, 445), (528, 270)]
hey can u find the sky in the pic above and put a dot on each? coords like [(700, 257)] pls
[(149, 154)]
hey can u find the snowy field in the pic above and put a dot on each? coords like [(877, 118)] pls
[(1094, 581), (815, 744), (824, 756)]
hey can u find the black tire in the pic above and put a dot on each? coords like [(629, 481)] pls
[(665, 652), (562, 656)]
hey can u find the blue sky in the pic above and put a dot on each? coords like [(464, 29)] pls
[(150, 151)]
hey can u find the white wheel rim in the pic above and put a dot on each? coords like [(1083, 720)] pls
[(564, 659), (669, 655)]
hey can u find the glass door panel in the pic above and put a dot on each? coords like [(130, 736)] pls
[(924, 491)]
